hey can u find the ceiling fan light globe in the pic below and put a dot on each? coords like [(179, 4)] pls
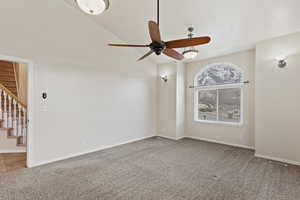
[(190, 54), (93, 7)]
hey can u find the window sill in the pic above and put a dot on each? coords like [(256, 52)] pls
[(220, 123)]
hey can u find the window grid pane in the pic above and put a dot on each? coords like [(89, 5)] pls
[(219, 105), (229, 105), (207, 105)]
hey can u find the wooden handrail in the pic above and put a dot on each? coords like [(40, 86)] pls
[(12, 95)]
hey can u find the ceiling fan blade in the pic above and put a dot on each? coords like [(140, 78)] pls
[(154, 31), (187, 42), (173, 54), (127, 45), (146, 55)]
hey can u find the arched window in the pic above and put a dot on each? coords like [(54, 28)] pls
[(218, 94)]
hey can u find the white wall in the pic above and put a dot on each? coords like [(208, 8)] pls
[(97, 95), (236, 135), (171, 100), (277, 97), (180, 100), (166, 111)]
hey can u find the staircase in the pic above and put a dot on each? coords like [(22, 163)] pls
[(13, 113)]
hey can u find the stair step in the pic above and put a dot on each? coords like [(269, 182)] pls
[(10, 74), (5, 129), (3, 62), (8, 66), (9, 86), (6, 80), (3, 81), (12, 137), (7, 75), (5, 71), (11, 89), (19, 140)]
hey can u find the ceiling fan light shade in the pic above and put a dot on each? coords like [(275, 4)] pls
[(93, 7), (190, 54)]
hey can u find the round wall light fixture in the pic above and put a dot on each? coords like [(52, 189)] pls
[(93, 7), (282, 63), (164, 78)]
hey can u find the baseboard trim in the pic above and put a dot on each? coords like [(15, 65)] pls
[(181, 137), (220, 142), (86, 152), (170, 138), (278, 159)]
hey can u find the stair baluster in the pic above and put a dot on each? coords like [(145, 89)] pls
[(19, 121), (9, 114), (5, 109), (1, 113), (15, 131), (24, 126)]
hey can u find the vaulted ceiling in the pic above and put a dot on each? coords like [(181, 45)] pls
[(233, 24)]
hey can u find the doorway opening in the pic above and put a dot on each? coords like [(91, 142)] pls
[(13, 114)]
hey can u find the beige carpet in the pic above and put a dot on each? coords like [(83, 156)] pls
[(157, 169)]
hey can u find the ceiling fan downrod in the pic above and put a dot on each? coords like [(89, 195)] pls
[(157, 12)]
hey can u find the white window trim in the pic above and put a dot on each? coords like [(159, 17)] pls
[(218, 87)]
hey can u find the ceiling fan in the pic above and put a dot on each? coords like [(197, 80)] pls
[(158, 46)]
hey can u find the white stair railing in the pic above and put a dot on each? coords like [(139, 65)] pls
[(1, 111), (14, 115), (15, 131), (9, 117)]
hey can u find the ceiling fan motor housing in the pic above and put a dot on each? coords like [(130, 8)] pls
[(158, 47)]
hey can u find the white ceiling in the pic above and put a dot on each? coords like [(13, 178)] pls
[(233, 24)]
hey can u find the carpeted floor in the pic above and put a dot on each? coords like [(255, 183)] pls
[(157, 169)]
